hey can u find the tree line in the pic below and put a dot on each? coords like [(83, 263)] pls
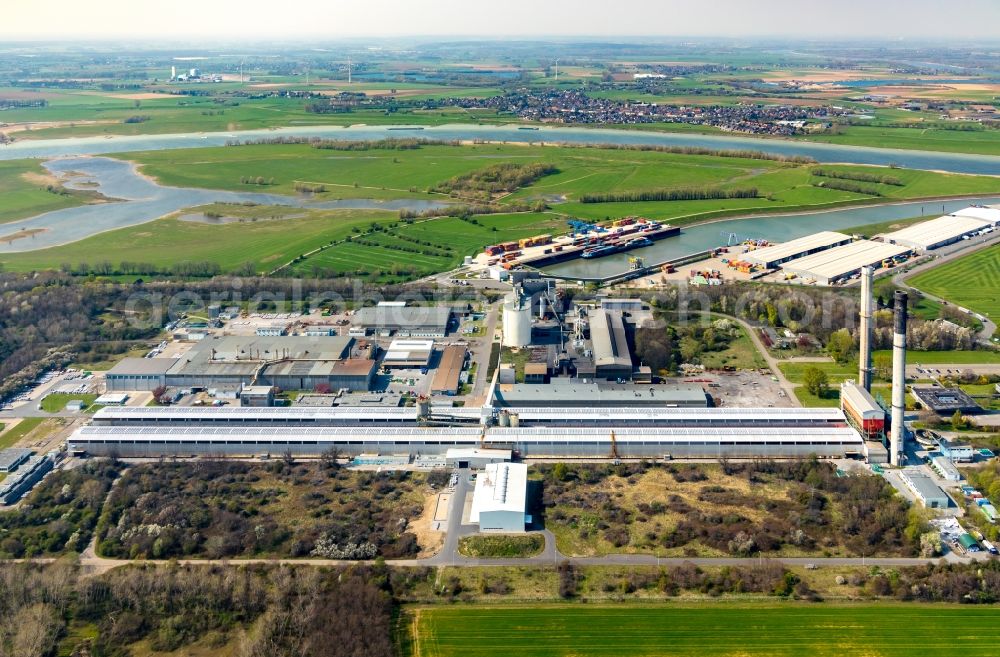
[(465, 211), (494, 179), (388, 144), (845, 186), (698, 150), (858, 176), (683, 194)]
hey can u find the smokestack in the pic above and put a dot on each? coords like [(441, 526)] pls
[(898, 377), (865, 330), (541, 307)]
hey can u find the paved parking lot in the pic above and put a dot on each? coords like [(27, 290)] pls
[(744, 389)]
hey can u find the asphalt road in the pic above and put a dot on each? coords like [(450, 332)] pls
[(771, 361), (549, 557)]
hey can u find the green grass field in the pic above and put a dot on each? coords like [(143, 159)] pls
[(836, 371), (946, 357), (386, 261), (56, 401), (972, 281), (23, 193), (981, 142), (20, 430), (730, 629), (384, 174), (164, 242), (408, 174)]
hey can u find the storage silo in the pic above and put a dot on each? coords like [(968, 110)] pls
[(516, 320)]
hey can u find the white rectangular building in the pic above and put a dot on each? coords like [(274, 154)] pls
[(500, 501), (843, 262), (990, 214), (772, 256), (935, 233), (408, 354), (946, 468), (112, 399)]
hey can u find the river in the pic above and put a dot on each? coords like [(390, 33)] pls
[(147, 200), (144, 200), (955, 162)]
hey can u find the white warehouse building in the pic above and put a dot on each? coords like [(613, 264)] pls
[(500, 501), (777, 254), (935, 233), (842, 262)]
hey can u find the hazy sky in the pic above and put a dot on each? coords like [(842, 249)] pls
[(166, 19)]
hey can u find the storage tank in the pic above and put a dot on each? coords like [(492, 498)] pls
[(516, 320)]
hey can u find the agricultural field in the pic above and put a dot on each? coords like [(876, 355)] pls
[(683, 629), (972, 281), (84, 113), (679, 510), (424, 247)]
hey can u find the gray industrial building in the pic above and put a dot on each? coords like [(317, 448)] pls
[(612, 356), (945, 401), (17, 485), (562, 393), (405, 321), (12, 457), (542, 433), (138, 374), (924, 488), (287, 362)]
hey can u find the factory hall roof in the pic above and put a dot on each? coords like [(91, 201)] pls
[(843, 260), (607, 333), (449, 370), (13, 456), (501, 487), (584, 393), (990, 213), (796, 247), (928, 234), (860, 399), (427, 317), (945, 401), (923, 485), (142, 366)]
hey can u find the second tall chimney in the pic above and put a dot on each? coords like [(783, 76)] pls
[(898, 432)]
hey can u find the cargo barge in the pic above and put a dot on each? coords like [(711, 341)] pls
[(624, 235)]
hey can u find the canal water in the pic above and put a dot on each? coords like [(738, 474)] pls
[(776, 228)]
